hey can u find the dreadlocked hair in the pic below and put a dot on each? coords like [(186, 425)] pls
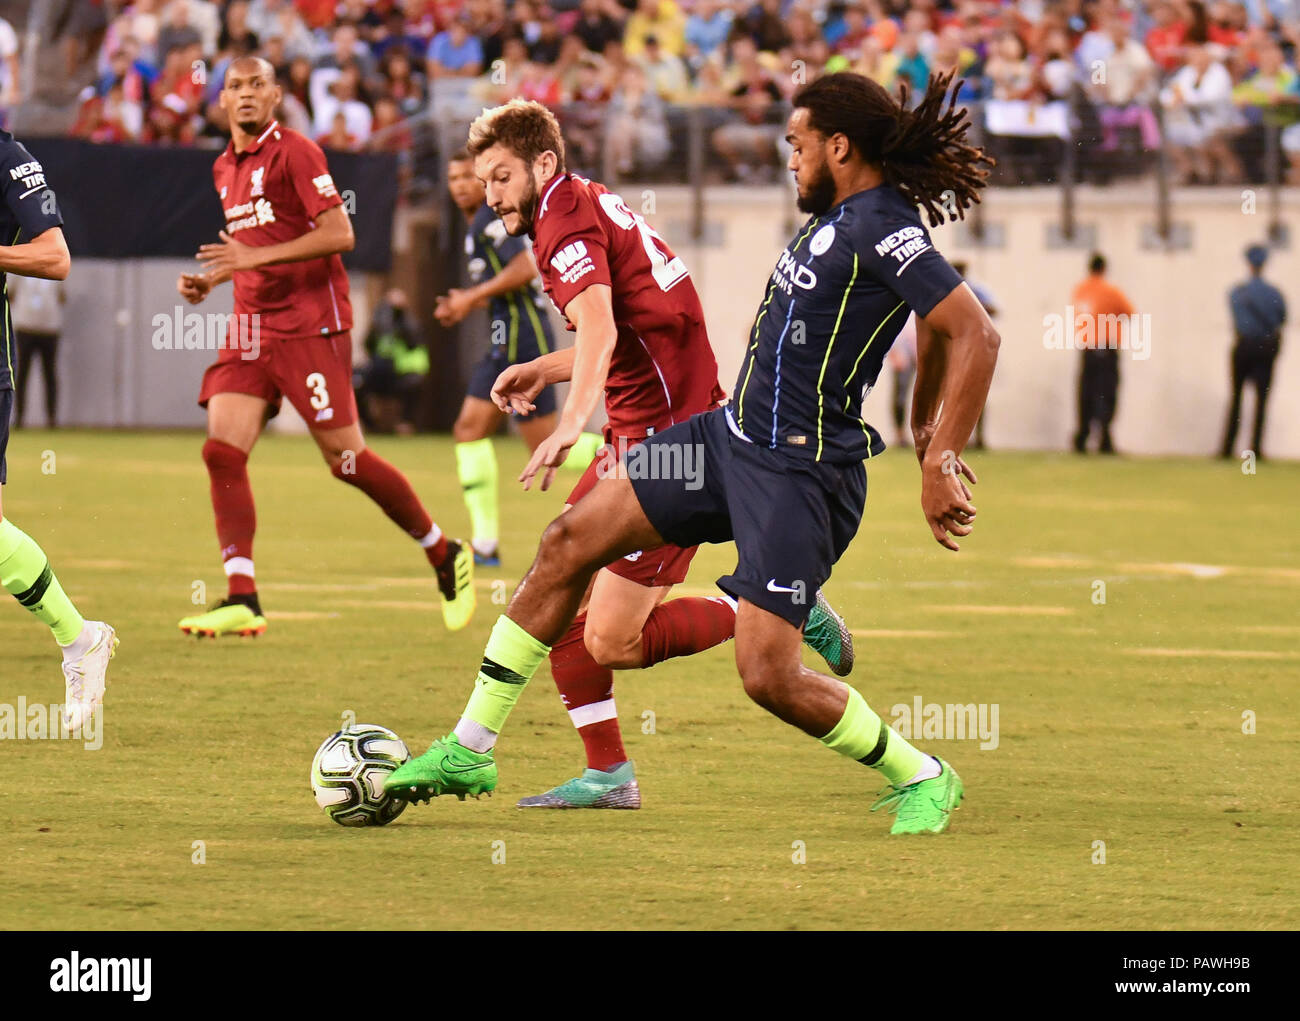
[(921, 152)]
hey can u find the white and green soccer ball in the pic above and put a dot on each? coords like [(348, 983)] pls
[(348, 774)]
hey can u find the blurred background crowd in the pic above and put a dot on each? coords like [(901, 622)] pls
[(1213, 85)]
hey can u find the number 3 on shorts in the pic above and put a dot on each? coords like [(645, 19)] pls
[(320, 397)]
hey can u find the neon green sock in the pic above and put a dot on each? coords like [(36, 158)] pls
[(582, 452), (509, 662), (25, 574), (476, 463), (863, 735)]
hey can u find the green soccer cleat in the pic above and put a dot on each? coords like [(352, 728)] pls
[(827, 635), (594, 789), (925, 806), (448, 767), (456, 585), (228, 617)]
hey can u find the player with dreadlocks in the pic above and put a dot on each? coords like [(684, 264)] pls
[(782, 464)]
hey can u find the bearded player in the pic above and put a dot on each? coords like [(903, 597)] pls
[(503, 277), (640, 344), (285, 230), (784, 473)]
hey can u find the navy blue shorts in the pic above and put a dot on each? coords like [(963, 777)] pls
[(6, 413), (485, 373), (792, 518)]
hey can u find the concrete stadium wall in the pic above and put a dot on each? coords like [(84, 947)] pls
[(1174, 401)]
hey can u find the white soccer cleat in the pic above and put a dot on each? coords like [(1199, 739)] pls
[(84, 677)]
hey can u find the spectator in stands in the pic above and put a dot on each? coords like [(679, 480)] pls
[(109, 117), (344, 96), (545, 49), (637, 126), (346, 48), (665, 72), (339, 138), (662, 19), (583, 117), (876, 63), (139, 25), (912, 65), (1258, 312), (750, 140), (505, 82), (600, 22), (279, 17), (295, 83), (176, 98), (764, 24), (393, 32), (1124, 89), (36, 308), (177, 31), (1165, 38), (1097, 305), (540, 82), (708, 27), (455, 53), (402, 82), (201, 15), (489, 24), (134, 75), (1200, 118)]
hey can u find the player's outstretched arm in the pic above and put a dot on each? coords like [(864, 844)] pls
[(332, 235), (956, 351), (45, 256), (592, 315)]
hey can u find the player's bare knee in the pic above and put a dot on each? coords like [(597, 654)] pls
[(463, 431), (613, 648), (766, 678), (561, 547)]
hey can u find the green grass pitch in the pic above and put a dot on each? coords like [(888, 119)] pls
[(1121, 722)]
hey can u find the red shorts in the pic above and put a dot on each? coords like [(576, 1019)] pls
[(315, 373), (666, 565)]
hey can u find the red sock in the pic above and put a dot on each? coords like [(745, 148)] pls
[(232, 502), (389, 488), (682, 627), (588, 692)]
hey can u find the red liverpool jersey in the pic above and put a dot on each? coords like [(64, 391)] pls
[(662, 370), (272, 192)]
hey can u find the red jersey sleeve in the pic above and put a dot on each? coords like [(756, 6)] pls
[(574, 253), (309, 176)]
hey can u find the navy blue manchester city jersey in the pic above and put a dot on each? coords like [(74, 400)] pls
[(519, 321), (29, 209), (836, 301)]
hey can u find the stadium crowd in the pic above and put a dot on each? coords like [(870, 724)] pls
[(1123, 79)]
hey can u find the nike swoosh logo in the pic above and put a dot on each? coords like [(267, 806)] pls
[(451, 768), (772, 586)]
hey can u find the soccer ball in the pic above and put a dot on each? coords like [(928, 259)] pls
[(348, 773)]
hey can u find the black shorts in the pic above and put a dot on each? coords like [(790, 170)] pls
[(792, 518), (485, 373), (6, 413)]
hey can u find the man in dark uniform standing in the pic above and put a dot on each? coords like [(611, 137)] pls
[(1258, 312), (32, 245)]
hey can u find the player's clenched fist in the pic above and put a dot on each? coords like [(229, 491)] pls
[(518, 386), (193, 287)]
